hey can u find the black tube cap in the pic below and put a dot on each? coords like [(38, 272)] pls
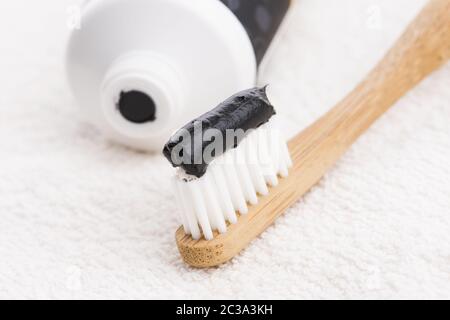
[(137, 107)]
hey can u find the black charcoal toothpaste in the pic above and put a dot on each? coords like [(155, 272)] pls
[(234, 117)]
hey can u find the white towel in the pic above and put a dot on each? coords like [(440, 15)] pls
[(84, 218)]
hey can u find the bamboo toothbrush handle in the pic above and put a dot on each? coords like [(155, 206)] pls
[(423, 48)]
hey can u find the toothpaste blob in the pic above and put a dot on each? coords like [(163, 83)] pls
[(194, 146)]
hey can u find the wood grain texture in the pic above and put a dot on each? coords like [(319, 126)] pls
[(423, 48)]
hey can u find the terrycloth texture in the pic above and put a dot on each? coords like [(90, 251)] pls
[(84, 218)]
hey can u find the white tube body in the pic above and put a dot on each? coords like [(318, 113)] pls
[(186, 55)]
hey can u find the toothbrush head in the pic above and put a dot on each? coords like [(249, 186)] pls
[(227, 160)]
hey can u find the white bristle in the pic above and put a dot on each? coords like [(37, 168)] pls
[(232, 182)]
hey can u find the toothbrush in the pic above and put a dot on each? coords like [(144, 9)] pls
[(424, 47)]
